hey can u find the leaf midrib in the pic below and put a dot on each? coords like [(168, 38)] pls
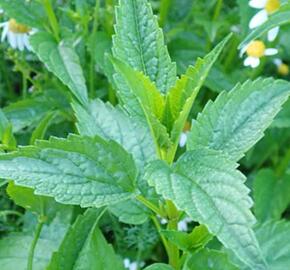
[(138, 37)]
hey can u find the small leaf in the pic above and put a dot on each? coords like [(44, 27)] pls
[(271, 195), (181, 97), (139, 41), (236, 120), (77, 170), (207, 186), (189, 242), (62, 61), (130, 212), (207, 259), (39, 132), (45, 207), (84, 247), (146, 98), (27, 113)]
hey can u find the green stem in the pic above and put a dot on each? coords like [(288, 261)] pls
[(10, 212), (164, 8), (163, 239), (112, 95), (150, 205), (33, 245), (52, 18), (96, 16), (282, 167), (92, 62), (217, 10), (24, 85), (173, 215)]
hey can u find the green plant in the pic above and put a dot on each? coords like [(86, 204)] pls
[(123, 162)]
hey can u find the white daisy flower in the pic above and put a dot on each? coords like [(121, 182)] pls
[(16, 34), (182, 225), (267, 7), (132, 265), (255, 50), (282, 68)]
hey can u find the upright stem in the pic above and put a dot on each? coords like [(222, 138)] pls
[(217, 10), (92, 59), (173, 216), (150, 205), (280, 170), (163, 239), (164, 8), (52, 18), (33, 245)]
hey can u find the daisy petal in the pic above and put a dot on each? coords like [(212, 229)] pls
[(258, 19), (183, 139), (248, 61), (257, 3), (26, 42), (273, 33), (271, 51), (12, 40), (277, 61), (20, 42), (255, 62)]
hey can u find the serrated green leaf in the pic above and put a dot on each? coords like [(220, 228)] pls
[(271, 195), (84, 247), (207, 259), (146, 97), (207, 186), (139, 41), (181, 97), (113, 123), (273, 237), (189, 242), (236, 120), (62, 61), (278, 18), (78, 170), (274, 241)]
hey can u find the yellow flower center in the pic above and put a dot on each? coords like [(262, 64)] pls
[(272, 6), (17, 27), (283, 69), (256, 49), (187, 126)]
